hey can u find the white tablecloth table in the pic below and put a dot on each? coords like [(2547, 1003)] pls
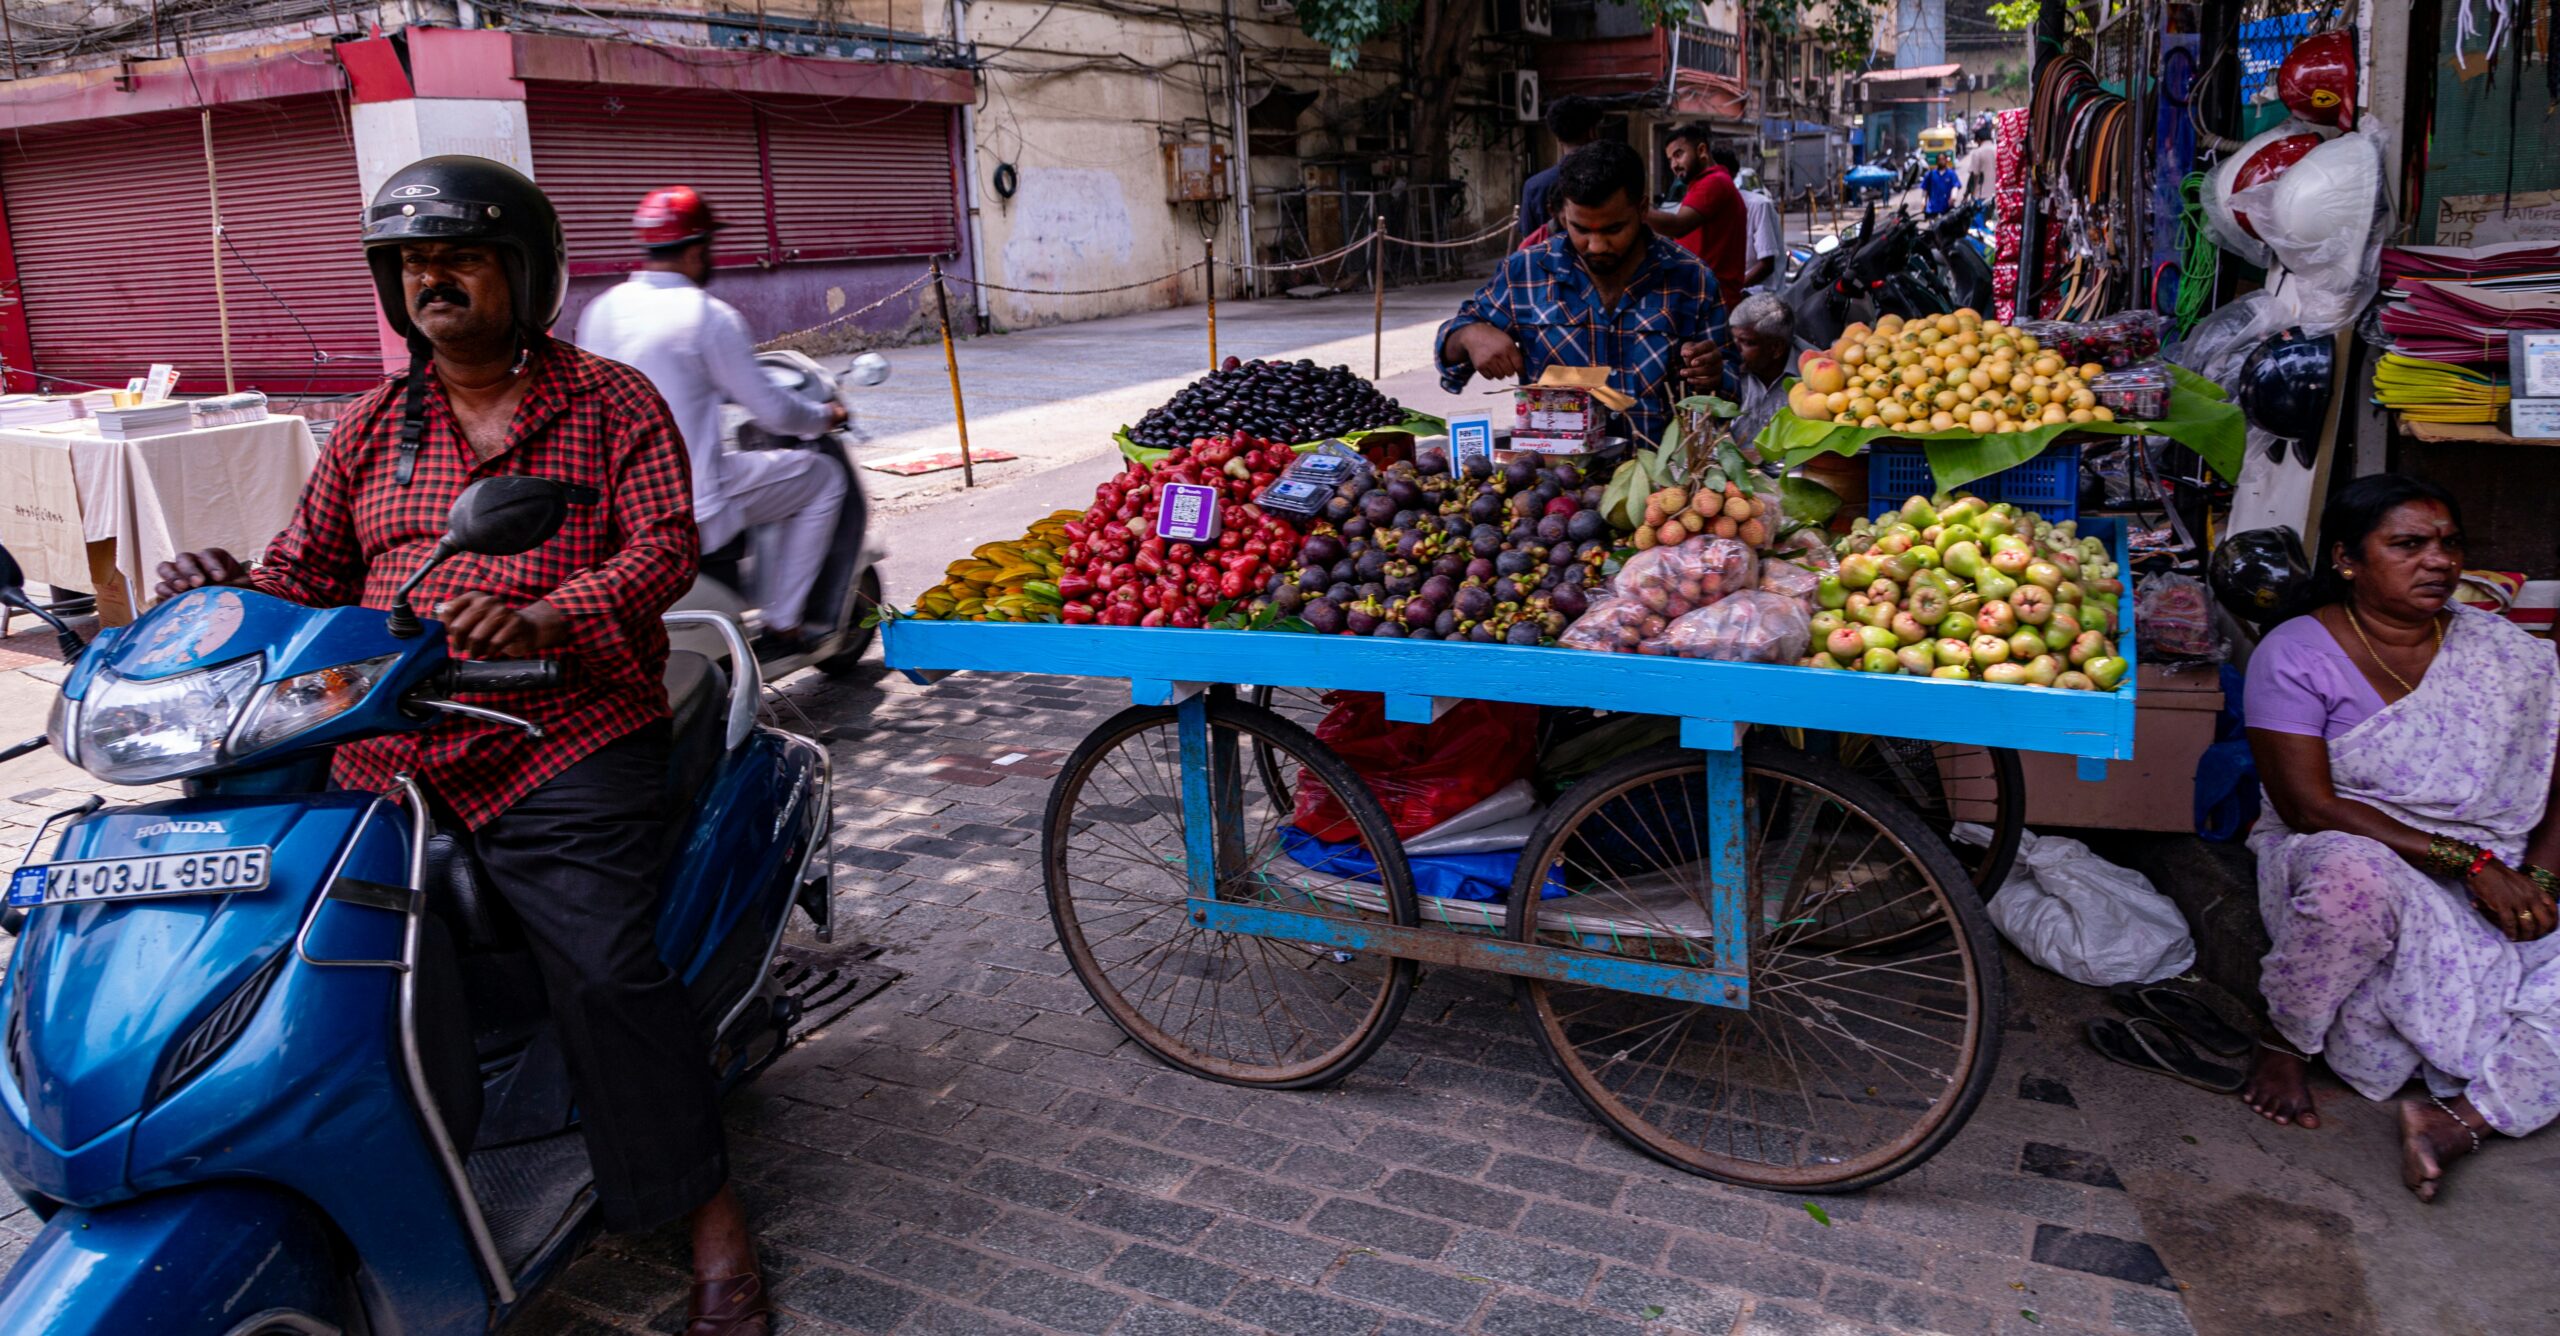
[(230, 487)]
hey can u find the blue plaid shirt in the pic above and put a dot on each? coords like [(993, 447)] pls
[(1546, 301)]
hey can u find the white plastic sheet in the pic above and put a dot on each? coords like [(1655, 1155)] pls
[(2084, 918), (1501, 821)]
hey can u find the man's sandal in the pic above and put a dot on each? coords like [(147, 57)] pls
[(2147, 1045), (2189, 1009)]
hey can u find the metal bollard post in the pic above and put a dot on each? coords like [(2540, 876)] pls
[(951, 361), (1209, 276)]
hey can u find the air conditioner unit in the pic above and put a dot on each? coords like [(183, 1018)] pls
[(1520, 91), (1528, 18)]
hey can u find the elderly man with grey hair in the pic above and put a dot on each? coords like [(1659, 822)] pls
[(1764, 340)]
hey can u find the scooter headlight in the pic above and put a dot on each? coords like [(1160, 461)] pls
[(306, 701), (143, 731)]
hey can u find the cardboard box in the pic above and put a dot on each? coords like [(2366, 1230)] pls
[(2173, 722), (1566, 411)]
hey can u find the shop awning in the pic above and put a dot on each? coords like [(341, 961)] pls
[(1914, 72)]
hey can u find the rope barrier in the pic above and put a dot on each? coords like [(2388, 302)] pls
[(1327, 258), (1073, 292), (1477, 239), (832, 321)]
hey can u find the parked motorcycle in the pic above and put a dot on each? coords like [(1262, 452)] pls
[(842, 616), (272, 1058)]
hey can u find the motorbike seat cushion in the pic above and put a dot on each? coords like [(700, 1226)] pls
[(698, 699)]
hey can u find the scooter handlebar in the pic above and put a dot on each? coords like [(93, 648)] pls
[(501, 674)]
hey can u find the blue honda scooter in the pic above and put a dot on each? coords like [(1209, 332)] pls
[(272, 1059)]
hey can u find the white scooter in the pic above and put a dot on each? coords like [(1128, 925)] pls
[(848, 596)]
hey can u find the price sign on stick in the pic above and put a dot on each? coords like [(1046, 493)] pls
[(1187, 513)]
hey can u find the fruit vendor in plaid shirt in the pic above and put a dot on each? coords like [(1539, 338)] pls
[(563, 824), (1608, 292)]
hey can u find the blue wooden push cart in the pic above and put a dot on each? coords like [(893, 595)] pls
[(1752, 961)]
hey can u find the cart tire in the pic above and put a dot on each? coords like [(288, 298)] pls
[(1302, 706), (1959, 782), (1852, 1063), (1244, 1010)]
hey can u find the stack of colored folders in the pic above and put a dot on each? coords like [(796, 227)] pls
[(2425, 391), (2465, 262), (2469, 322)]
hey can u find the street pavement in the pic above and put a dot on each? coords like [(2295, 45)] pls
[(975, 1149)]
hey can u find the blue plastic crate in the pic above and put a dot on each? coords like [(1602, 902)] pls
[(2048, 484)]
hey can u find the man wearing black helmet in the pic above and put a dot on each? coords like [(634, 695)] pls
[(468, 262)]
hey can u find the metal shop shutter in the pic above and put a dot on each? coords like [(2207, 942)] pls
[(110, 223), (597, 149), (854, 178)]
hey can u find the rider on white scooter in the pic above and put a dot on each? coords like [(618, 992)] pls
[(695, 348)]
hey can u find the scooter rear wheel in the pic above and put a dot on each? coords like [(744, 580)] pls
[(1250, 1011)]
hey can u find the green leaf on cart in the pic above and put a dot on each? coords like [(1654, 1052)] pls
[(2199, 418), (1820, 1216), (1806, 501)]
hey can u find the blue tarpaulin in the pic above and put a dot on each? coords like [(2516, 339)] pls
[(1448, 876)]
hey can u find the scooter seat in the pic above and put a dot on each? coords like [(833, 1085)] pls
[(698, 698)]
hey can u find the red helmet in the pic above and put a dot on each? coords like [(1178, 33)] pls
[(2318, 79), (673, 216), (2267, 164)]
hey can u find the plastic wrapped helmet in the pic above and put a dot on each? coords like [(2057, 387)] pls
[(2254, 572), (2284, 386), (2262, 164), (461, 198), (2317, 81)]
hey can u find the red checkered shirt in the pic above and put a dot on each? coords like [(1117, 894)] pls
[(613, 568)]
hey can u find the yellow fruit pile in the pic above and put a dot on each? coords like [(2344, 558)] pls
[(1004, 582), (1954, 372), (1673, 515)]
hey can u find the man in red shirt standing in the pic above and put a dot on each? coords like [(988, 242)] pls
[(1711, 220), (469, 266)]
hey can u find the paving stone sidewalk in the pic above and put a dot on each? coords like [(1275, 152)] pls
[(976, 1149)]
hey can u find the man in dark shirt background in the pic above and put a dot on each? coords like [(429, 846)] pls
[(1710, 220), (1573, 121)]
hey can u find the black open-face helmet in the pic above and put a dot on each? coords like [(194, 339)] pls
[(2284, 385), (460, 198)]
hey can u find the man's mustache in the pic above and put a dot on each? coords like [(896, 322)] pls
[(444, 292)]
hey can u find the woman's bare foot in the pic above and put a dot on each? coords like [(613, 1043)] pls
[(2279, 1088), (2432, 1138)]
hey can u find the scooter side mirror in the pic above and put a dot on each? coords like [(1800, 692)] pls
[(494, 517), (1826, 245), (502, 516)]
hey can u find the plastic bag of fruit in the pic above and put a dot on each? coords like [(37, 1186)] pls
[(1614, 626), (1787, 579), (1754, 626), (1678, 579)]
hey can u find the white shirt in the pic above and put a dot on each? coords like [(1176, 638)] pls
[(1766, 235), (694, 348), (1981, 170)]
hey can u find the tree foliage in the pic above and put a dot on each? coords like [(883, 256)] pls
[(2014, 15), (1845, 30)]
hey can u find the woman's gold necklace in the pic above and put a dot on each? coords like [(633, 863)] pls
[(2371, 653)]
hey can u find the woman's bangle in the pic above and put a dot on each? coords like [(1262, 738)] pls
[(2480, 860), (2454, 858), (2545, 878)]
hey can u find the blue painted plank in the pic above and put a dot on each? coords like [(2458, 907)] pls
[(1728, 864), (1475, 951), (2073, 723), (2092, 770), (1199, 819), (1710, 734)]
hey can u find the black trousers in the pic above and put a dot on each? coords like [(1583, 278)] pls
[(580, 861)]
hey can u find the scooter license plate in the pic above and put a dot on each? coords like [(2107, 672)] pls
[(149, 876)]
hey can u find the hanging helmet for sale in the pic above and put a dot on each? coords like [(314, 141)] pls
[(2318, 79), (2261, 163), (2284, 386), (2325, 210), (2253, 573), (459, 198), (673, 216)]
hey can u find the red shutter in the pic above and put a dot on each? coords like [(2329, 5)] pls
[(109, 220), (854, 178), (597, 149)]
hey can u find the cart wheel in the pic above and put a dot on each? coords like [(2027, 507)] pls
[(1949, 782), (1245, 1010), (1851, 1063), (1303, 706)]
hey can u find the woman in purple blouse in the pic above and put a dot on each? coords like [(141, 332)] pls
[(2406, 745)]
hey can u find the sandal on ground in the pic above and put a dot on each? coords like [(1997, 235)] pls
[(2188, 1009), (729, 1306), (2147, 1045)]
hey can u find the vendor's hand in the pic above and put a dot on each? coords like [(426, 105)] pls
[(1701, 363), (1494, 354), (194, 570), (484, 626), (2513, 904)]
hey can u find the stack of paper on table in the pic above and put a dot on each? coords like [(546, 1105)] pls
[(35, 410), (159, 419), (2507, 257)]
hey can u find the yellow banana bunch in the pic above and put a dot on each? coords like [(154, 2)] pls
[(1013, 581)]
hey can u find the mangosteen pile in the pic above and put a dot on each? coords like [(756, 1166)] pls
[(1279, 401), (1500, 554)]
